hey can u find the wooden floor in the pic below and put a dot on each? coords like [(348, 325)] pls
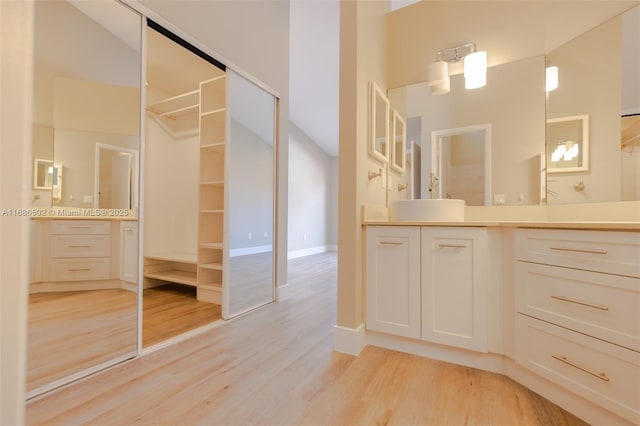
[(74, 330), (172, 309), (276, 366)]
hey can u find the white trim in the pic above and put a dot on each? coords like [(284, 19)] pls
[(250, 250), (349, 340), (294, 254), (282, 292)]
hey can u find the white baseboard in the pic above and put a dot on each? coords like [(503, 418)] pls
[(282, 292), (59, 286), (332, 248), (250, 250), (294, 254), (349, 340)]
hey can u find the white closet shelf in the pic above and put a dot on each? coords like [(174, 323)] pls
[(184, 101), (211, 286), (212, 211), (219, 183), (174, 257), (216, 147), (217, 246), (213, 265), (175, 276), (213, 112)]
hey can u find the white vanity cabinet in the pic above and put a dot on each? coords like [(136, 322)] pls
[(428, 283), (454, 287), (578, 313), (393, 280)]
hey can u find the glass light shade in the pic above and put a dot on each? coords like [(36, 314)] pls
[(475, 70), (437, 73), (441, 88), (552, 79)]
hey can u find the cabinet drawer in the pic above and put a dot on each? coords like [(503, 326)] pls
[(80, 245), (80, 269), (601, 305), (604, 374), (602, 251), (80, 227)]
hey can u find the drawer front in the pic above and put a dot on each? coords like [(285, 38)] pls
[(601, 305), (604, 374), (80, 245), (602, 251), (80, 227), (80, 269)]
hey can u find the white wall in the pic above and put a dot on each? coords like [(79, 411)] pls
[(16, 38), (250, 189), (312, 194), (253, 35)]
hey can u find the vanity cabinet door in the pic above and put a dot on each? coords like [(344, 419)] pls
[(393, 280), (454, 285)]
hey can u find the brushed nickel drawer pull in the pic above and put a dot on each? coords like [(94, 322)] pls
[(578, 302), (79, 270), (564, 359), (390, 243), (451, 246), (80, 227), (577, 250), (77, 246)]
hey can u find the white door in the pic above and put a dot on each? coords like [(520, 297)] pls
[(454, 310), (393, 280), (121, 181)]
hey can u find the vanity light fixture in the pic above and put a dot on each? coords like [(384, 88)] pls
[(475, 68), (565, 151), (551, 79)]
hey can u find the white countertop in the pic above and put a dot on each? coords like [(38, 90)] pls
[(603, 225)]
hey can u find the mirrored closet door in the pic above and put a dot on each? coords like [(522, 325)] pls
[(84, 226), (209, 191)]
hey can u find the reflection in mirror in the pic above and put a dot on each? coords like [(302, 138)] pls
[(568, 144), (606, 91), (83, 278), (251, 195), (116, 177), (379, 124), (462, 164), (513, 102), (399, 145)]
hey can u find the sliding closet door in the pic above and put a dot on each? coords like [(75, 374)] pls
[(249, 280)]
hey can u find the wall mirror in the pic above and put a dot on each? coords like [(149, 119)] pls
[(378, 124), (462, 164), (606, 91), (116, 177), (399, 142), (83, 263), (512, 165), (567, 148)]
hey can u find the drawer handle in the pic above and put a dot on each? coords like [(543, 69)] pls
[(578, 302), (79, 270), (77, 246), (127, 229), (390, 243), (577, 250), (80, 227), (451, 246), (564, 359)]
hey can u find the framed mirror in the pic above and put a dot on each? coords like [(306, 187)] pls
[(567, 148), (399, 142), (379, 124)]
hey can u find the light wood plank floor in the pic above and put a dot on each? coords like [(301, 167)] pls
[(276, 366), (71, 331), (171, 310)]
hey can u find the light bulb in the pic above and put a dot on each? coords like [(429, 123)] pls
[(475, 70), (552, 79)]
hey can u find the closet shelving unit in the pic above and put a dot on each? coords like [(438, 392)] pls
[(201, 112), (213, 137)]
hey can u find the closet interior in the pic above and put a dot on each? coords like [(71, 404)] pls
[(200, 183)]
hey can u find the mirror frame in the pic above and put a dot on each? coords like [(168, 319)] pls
[(436, 159), (584, 145), (398, 164), (377, 95)]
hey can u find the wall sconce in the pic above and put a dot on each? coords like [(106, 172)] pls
[(475, 68), (551, 79)]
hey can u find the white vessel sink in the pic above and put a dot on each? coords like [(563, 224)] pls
[(433, 210)]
